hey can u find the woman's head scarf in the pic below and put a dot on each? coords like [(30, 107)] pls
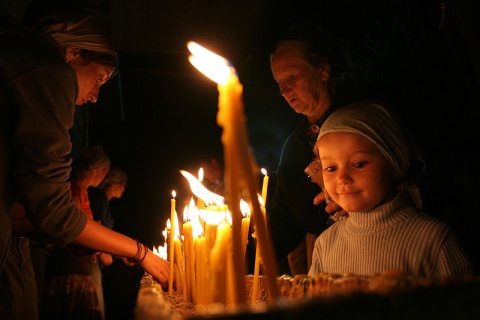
[(377, 122), (77, 31)]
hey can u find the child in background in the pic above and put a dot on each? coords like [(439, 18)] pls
[(369, 165), (113, 186), (70, 288)]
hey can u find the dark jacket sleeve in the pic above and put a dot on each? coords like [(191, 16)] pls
[(44, 101), (292, 213)]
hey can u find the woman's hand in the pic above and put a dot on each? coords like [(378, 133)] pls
[(158, 268)]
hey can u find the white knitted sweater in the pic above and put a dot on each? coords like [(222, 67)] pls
[(390, 236)]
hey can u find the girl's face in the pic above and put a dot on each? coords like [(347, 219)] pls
[(355, 173), (118, 189), (303, 86)]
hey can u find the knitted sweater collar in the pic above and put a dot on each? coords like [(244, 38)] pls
[(380, 218)]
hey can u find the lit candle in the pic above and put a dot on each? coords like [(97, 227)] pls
[(201, 192), (258, 261), (264, 187), (245, 226), (230, 99), (200, 202), (238, 163), (219, 265), (171, 242), (181, 283), (245, 229), (201, 273), (256, 274), (212, 217), (189, 256)]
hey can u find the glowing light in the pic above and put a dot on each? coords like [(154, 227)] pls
[(212, 215), (210, 64), (260, 200), (161, 251), (191, 214), (200, 191), (245, 208)]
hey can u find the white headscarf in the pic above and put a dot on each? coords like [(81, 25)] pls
[(377, 122)]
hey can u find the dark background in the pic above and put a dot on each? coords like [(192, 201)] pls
[(159, 114)]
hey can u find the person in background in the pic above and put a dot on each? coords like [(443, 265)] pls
[(69, 285), (43, 76), (308, 66), (372, 168), (113, 186), (213, 176)]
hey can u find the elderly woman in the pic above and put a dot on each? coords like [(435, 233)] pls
[(308, 66), (43, 76)]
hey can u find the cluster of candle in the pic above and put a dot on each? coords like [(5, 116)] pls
[(200, 249), (219, 260)]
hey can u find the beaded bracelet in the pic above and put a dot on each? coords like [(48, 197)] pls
[(138, 258)]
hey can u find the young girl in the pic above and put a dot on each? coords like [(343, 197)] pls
[(368, 162)]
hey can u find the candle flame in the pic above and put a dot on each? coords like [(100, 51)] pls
[(161, 251), (212, 216), (200, 174), (186, 214), (264, 171), (244, 208), (174, 194), (210, 64), (260, 200), (197, 229), (200, 191)]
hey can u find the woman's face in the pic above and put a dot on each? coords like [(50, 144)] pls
[(90, 78), (356, 174), (90, 75), (303, 86)]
